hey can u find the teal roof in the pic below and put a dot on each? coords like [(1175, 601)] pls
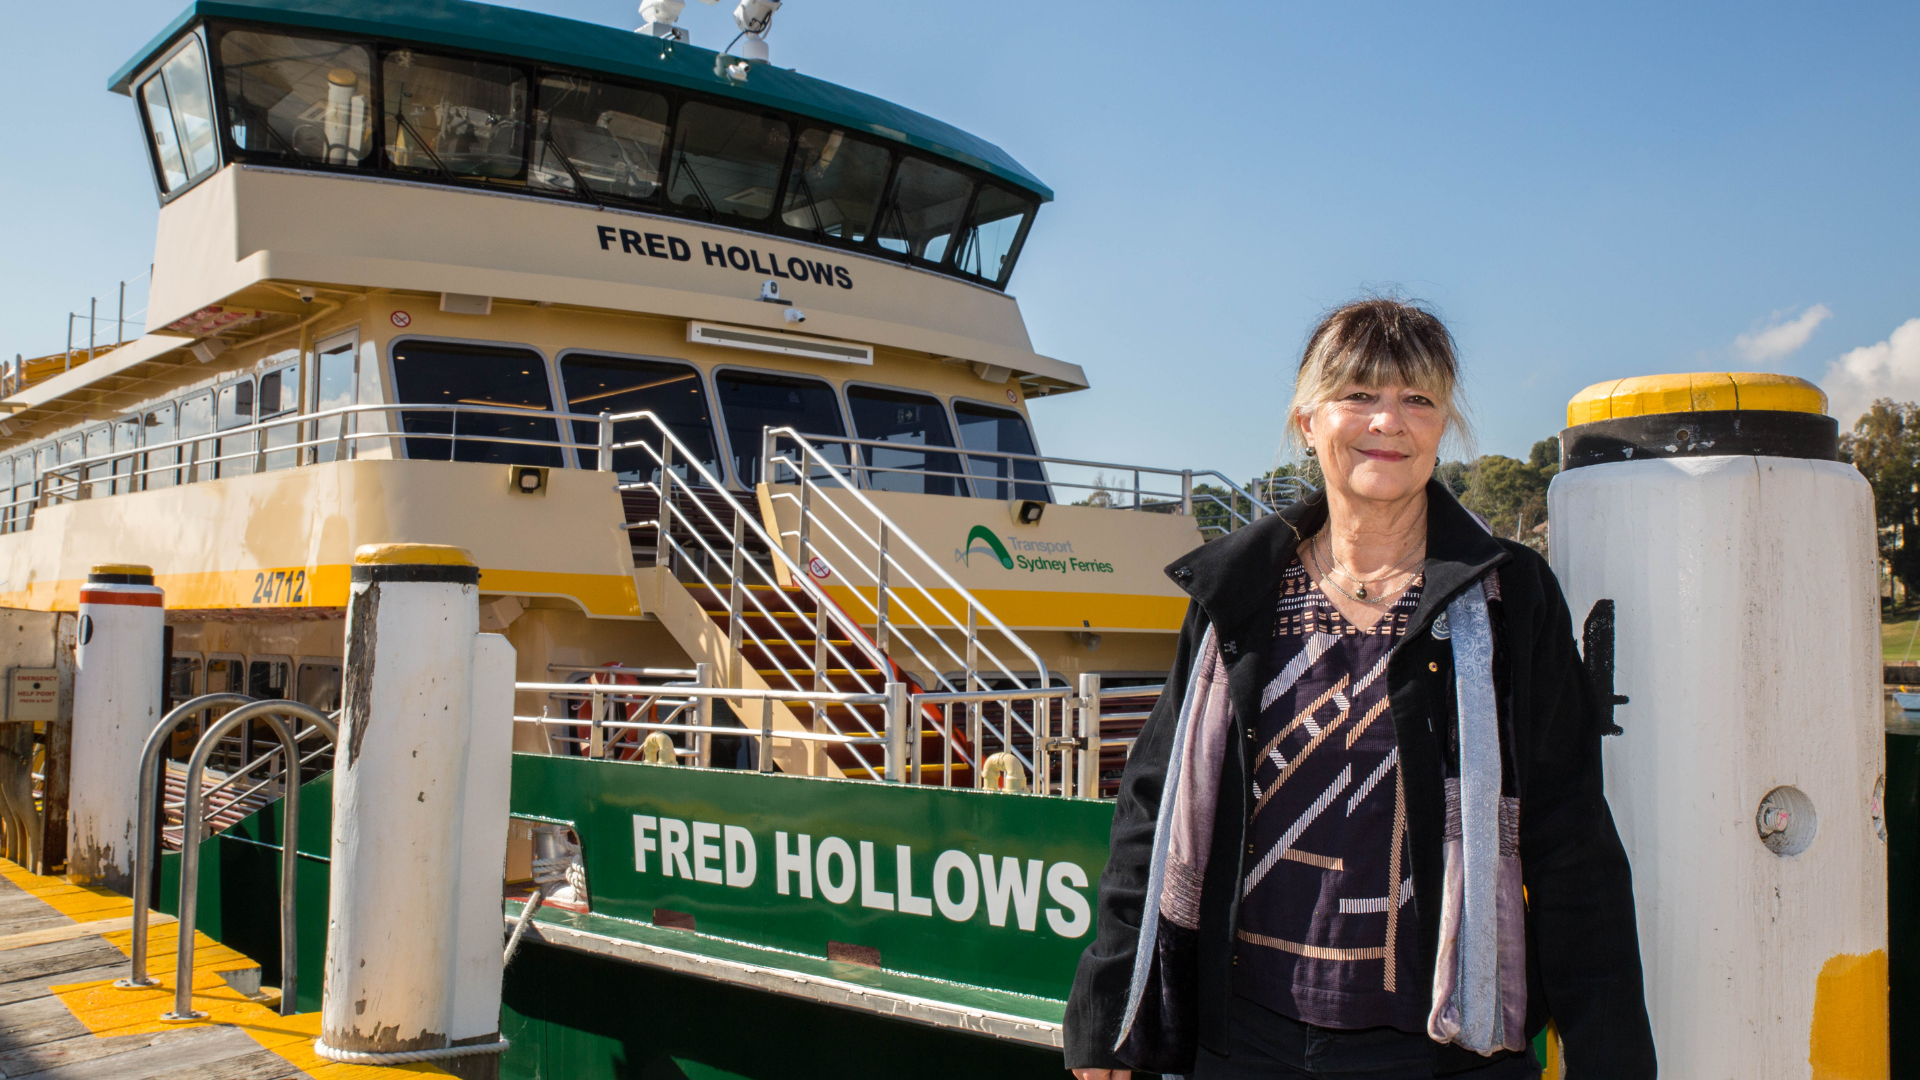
[(585, 46)]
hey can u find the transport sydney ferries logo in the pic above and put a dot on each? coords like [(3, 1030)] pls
[(1035, 556)]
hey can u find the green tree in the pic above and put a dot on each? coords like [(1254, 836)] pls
[(1885, 446), (1510, 494)]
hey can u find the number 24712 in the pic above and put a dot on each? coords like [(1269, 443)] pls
[(280, 587)]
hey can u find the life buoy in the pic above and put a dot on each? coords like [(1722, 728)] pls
[(623, 744)]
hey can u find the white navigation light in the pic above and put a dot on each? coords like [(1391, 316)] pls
[(660, 17), (754, 18)]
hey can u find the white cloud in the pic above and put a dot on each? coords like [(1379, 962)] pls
[(1778, 338), (1890, 369)]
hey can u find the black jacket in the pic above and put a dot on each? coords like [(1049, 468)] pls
[(1583, 954)]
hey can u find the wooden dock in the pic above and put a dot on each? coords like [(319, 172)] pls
[(61, 1017)]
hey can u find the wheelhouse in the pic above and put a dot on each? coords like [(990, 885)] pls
[(499, 100)]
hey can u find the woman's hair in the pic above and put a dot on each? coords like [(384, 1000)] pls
[(1373, 342)]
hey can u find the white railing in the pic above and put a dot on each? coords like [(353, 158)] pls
[(1104, 484), (904, 611)]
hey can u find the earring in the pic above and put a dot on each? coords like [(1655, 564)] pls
[(1311, 452)]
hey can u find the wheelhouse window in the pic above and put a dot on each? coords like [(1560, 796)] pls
[(984, 431), (726, 163), (995, 229), (452, 116), (835, 185), (923, 209), (300, 99), (179, 112), (611, 138), (488, 390), (618, 385), (911, 420), (753, 401)]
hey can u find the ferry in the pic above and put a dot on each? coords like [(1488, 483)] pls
[(658, 416), (716, 372)]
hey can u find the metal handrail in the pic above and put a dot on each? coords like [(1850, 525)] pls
[(1260, 507), (271, 712), (146, 822), (889, 528)]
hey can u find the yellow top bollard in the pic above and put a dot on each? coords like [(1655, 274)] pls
[(1707, 391), (412, 555)]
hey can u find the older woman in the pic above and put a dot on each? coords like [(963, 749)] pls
[(1363, 834)]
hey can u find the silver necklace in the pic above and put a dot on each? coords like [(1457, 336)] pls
[(1361, 595)]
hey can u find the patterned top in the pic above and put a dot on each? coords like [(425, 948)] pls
[(1327, 932)]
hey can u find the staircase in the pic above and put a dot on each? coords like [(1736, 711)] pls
[(735, 597)]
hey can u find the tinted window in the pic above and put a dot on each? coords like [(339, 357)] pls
[(461, 117), (303, 99), (232, 408), (923, 209), (726, 163), (126, 436), (280, 395), (99, 444), (995, 228), (192, 100), (753, 402), (672, 392), (985, 428), (835, 185), (909, 420), (613, 137), (166, 142), (504, 381)]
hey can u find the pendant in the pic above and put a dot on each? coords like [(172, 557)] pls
[(1362, 594)]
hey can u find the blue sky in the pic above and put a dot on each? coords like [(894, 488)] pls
[(1583, 191)]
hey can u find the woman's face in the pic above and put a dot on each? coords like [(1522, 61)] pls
[(1376, 442)]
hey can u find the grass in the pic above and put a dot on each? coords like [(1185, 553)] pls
[(1896, 632)]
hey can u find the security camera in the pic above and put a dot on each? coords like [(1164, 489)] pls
[(794, 314), (306, 294)]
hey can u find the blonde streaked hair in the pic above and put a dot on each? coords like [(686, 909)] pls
[(1375, 342)]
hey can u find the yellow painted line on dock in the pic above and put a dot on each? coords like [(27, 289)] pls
[(76, 930), (107, 1010)]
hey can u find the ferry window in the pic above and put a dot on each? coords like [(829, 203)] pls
[(232, 408), (616, 385), (923, 209), (303, 99), (279, 396), (99, 445), (726, 162), (333, 388), (614, 137), (499, 379), (753, 401), (70, 452), (985, 428), (835, 185), (158, 423), (991, 240), (317, 683), (268, 678), (20, 512), (451, 116), (166, 143), (183, 679), (910, 420), (126, 468), (196, 419), (192, 101)]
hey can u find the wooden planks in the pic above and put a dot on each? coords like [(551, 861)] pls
[(41, 1038)]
